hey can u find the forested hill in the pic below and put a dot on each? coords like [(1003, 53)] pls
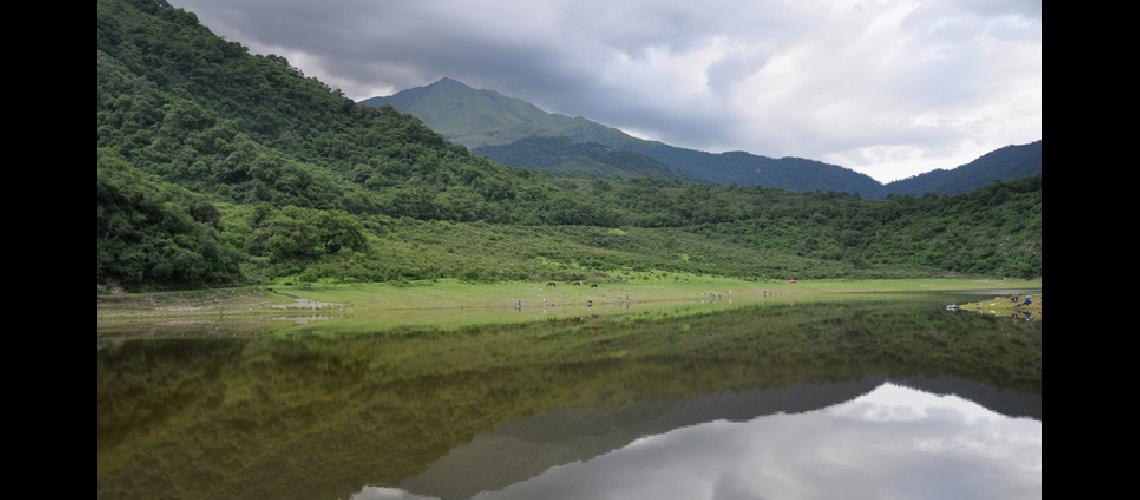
[(216, 166), (518, 133), (562, 156), (1002, 164), (478, 118)]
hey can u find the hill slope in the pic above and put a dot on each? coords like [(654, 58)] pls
[(1003, 164), (479, 117), (217, 166), (482, 117), (505, 128), (562, 156)]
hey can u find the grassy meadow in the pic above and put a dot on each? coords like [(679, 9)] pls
[(451, 303)]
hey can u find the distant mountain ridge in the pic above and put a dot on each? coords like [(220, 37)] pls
[(479, 118), (1001, 164), (517, 133), (205, 179), (504, 128)]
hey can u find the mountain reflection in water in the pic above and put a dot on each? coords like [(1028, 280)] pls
[(883, 440), (537, 410)]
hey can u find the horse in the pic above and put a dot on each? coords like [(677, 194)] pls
[(595, 285), (551, 284)]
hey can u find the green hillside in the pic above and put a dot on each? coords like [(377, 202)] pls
[(216, 166), (561, 156), (506, 129), (1002, 164), (153, 232), (478, 118)]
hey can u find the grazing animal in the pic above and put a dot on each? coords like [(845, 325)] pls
[(551, 284), (595, 285), (577, 283)]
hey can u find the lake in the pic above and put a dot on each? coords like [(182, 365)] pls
[(880, 397)]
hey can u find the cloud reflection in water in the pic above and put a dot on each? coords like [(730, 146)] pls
[(894, 442)]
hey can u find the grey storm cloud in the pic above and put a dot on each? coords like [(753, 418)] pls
[(890, 88)]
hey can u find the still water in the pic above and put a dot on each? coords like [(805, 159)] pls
[(869, 399)]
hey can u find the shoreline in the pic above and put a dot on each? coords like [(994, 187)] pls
[(455, 304), (1002, 306)]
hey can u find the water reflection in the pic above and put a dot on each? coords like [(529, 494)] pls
[(521, 450), (418, 411), (892, 442)]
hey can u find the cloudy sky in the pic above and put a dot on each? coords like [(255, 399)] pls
[(888, 88)]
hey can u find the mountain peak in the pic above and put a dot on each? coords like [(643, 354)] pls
[(485, 118), (449, 82)]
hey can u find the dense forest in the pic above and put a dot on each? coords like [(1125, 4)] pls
[(219, 167), (560, 155)]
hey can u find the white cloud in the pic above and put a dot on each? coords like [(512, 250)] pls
[(889, 88)]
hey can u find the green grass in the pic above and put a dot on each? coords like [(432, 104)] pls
[(416, 249), (451, 304), (1001, 306)]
